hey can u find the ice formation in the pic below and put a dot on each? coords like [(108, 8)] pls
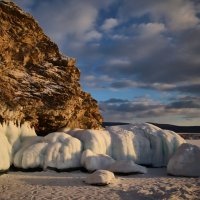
[(143, 144), (92, 161), (56, 150), (12, 135), (98, 141)]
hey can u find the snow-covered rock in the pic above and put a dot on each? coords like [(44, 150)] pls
[(63, 152), (15, 134), (127, 167), (185, 162), (5, 153), (122, 143), (100, 177), (11, 137), (56, 150), (98, 141), (143, 143), (19, 159), (92, 161)]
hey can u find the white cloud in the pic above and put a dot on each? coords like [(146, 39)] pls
[(109, 24), (63, 21), (150, 29), (92, 35), (177, 14)]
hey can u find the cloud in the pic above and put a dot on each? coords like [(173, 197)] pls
[(177, 14), (109, 24), (132, 44), (68, 21), (145, 108), (92, 35), (150, 29)]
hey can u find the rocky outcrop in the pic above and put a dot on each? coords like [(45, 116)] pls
[(37, 83)]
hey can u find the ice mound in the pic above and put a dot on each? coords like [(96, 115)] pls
[(12, 135), (57, 150), (98, 141), (92, 161), (143, 144)]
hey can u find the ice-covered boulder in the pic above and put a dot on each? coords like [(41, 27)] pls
[(100, 178), (20, 158), (185, 162), (92, 161), (16, 133), (143, 143), (11, 137), (57, 150), (127, 167), (122, 143), (5, 153), (98, 141), (63, 152)]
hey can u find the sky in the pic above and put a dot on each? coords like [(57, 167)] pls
[(140, 59)]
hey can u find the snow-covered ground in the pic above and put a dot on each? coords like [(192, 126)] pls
[(69, 186)]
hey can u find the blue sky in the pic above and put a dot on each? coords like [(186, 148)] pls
[(139, 58)]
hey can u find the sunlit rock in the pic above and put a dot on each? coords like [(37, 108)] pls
[(39, 84)]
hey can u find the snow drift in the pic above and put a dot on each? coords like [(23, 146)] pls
[(143, 144)]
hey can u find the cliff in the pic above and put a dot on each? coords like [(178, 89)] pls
[(37, 83)]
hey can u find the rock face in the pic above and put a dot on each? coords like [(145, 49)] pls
[(185, 162), (37, 83)]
